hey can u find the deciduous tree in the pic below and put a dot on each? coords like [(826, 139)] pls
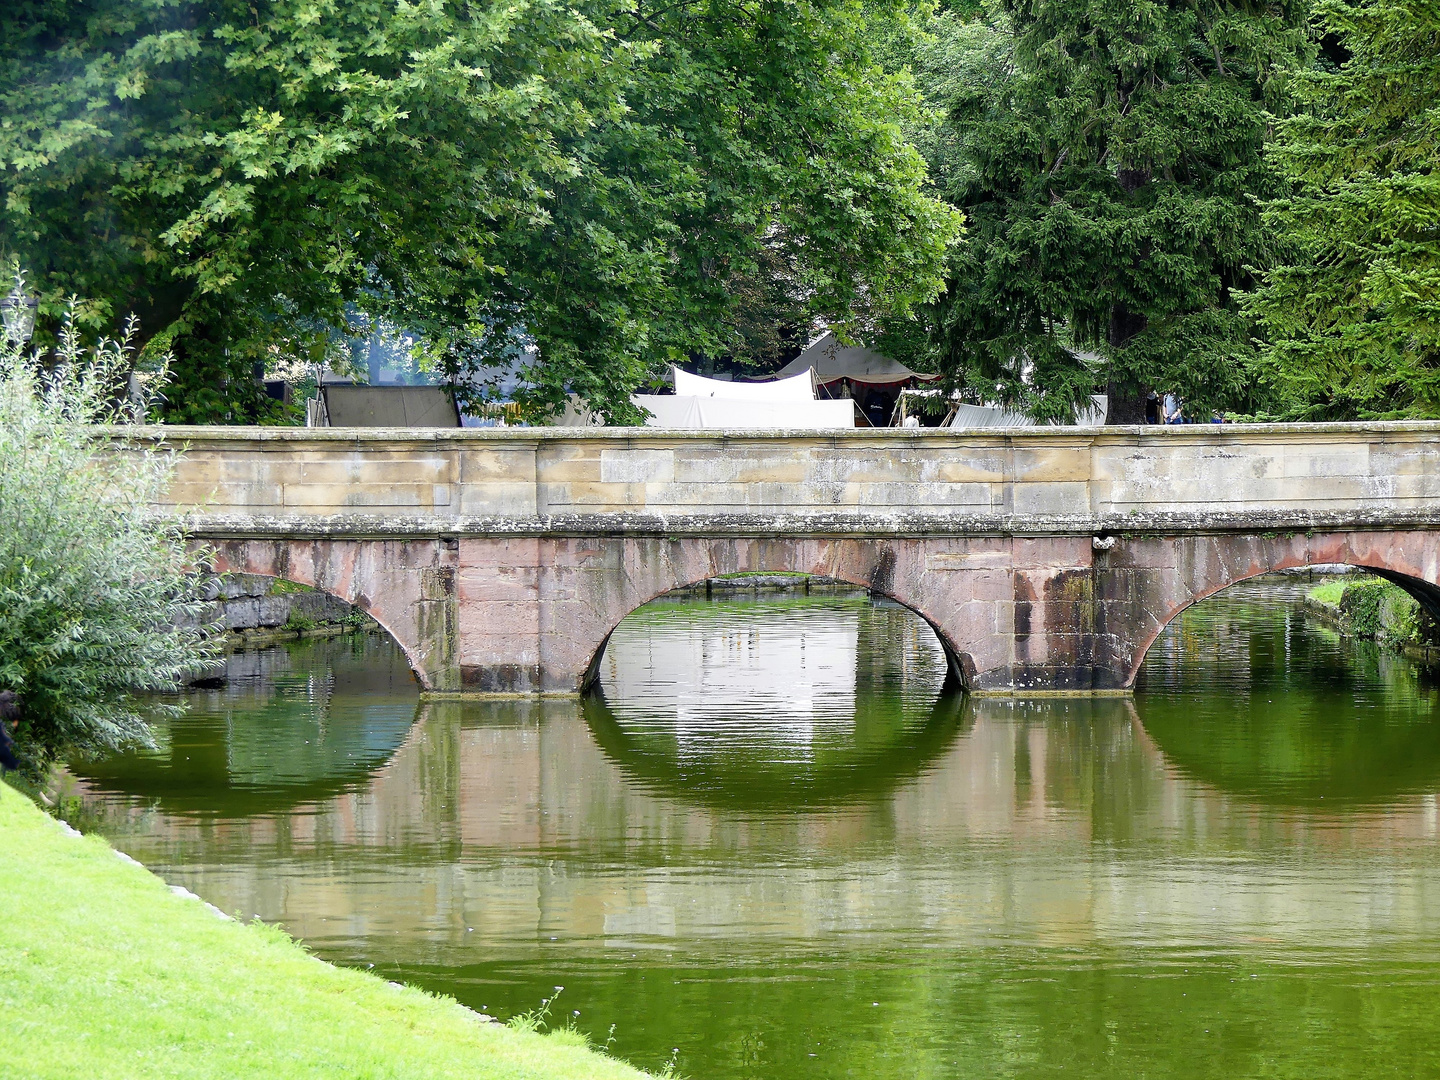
[(585, 176), (91, 580)]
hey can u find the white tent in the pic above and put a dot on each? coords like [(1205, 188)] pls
[(974, 417), (798, 388), (695, 411), (699, 402)]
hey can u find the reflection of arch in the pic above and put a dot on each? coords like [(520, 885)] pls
[(774, 786), (879, 580), (1310, 720), (302, 747), (1211, 564)]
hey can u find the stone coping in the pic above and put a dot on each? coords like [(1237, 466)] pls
[(820, 524), (521, 436)]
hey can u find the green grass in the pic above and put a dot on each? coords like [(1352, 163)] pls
[(1329, 593), (281, 587), (106, 973)]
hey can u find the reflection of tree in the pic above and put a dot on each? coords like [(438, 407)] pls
[(1245, 694), (903, 1012), (294, 724), (893, 743)]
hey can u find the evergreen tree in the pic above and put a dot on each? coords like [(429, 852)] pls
[(1108, 155), (1354, 321)]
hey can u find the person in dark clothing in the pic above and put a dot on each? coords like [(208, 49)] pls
[(1152, 408), (10, 707)]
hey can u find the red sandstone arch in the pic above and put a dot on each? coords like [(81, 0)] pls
[(565, 595), (388, 580), (1205, 565), (851, 572), (1016, 614)]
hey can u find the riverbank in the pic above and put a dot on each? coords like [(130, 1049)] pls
[(106, 972), (253, 611), (1368, 608)]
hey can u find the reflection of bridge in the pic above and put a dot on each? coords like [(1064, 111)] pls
[(1046, 559)]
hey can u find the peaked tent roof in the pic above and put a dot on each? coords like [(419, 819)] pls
[(832, 361)]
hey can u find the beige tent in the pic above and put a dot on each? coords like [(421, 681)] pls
[(832, 361)]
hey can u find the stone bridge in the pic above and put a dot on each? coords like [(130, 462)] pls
[(1045, 559)]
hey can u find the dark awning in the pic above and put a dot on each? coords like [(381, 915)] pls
[(390, 406), (833, 361)]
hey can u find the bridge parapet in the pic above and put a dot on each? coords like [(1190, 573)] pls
[(1046, 559), (1045, 480)]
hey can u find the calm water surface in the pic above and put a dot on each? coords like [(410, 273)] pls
[(778, 847)]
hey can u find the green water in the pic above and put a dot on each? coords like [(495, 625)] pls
[(778, 848)]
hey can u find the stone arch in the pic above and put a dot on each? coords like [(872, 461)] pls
[(405, 586), (1207, 565), (594, 585)]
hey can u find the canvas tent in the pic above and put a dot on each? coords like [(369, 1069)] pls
[(692, 411), (798, 387), (714, 403), (832, 361), (978, 417)]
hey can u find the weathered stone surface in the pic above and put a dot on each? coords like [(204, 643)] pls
[(502, 561)]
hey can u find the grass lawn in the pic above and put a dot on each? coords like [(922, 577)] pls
[(1330, 592), (106, 973)]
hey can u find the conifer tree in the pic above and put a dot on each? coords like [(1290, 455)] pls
[(1354, 320), (1108, 155)]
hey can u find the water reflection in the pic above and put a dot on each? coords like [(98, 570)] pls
[(1254, 698), (782, 702), (293, 724), (1076, 886)]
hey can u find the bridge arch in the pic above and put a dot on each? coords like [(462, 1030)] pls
[(390, 582), (1205, 566), (865, 564)]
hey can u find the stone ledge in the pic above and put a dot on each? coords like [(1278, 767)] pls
[(179, 435), (860, 526)]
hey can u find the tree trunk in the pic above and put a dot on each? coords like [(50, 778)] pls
[(1127, 396)]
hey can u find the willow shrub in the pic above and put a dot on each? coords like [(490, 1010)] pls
[(91, 578)]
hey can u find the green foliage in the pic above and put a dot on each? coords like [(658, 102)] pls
[(281, 587), (90, 579), (1108, 157), (1360, 605), (536, 1019), (1328, 593), (298, 623), (1354, 318), (614, 183), (1383, 612)]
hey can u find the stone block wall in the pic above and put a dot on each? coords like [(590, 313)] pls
[(247, 602)]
